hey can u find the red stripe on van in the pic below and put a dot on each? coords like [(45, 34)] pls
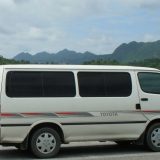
[(7, 114)]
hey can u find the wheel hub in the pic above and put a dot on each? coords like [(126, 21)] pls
[(155, 137), (46, 143), (158, 137)]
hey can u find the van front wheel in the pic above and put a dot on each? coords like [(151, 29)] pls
[(45, 143), (153, 137)]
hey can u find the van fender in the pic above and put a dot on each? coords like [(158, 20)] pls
[(44, 121), (156, 119), (39, 124)]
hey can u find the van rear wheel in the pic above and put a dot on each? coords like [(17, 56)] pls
[(45, 143), (153, 137)]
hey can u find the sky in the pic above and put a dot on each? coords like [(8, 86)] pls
[(98, 26)]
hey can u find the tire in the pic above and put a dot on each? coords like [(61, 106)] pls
[(45, 143), (153, 137)]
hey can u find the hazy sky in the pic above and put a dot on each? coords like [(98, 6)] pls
[(98, 26)]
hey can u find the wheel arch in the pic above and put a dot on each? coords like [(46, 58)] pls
[(56, 126), (53, 125), (151, 122), (141, 139)]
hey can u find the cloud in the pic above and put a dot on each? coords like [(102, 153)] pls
[(146, 4), (5, 31), (20, 1), (6, 3), (149, 37), (97, 42), (93, 25)]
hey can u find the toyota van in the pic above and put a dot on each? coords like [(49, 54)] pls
[(44, 106)]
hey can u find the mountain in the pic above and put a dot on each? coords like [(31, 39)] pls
[(62, 57), (133, 51), (23, 56)]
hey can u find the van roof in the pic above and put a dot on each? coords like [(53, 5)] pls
[(77, 67)]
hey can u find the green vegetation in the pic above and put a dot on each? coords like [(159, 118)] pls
[(154, 62), (11, 61), (102, 62)]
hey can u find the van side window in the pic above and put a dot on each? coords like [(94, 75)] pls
[(149, 82), (58, 84), (24, 84), (40, 84), (104, 84)]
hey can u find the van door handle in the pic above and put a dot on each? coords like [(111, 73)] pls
[(138, 106), (144, 99)]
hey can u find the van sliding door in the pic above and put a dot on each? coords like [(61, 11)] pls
[(110, 97), (149, 92)]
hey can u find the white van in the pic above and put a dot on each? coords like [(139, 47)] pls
[(44, 106)]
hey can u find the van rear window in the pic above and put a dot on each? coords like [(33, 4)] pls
[(40, 84), (104, 84)]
